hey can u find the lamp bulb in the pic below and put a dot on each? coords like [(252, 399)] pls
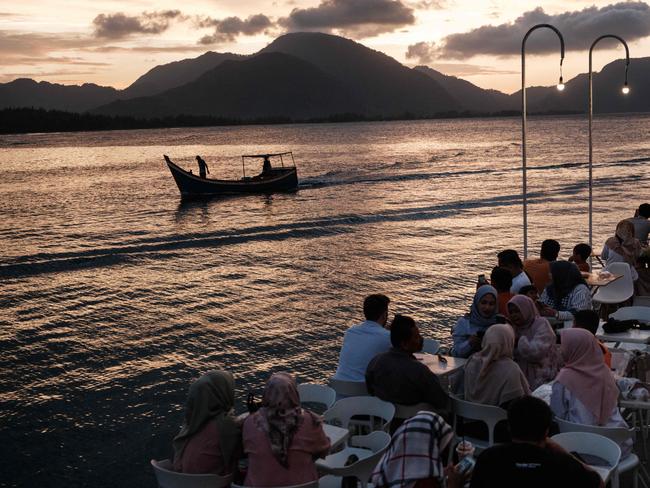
[(560, 86), (626, 90)]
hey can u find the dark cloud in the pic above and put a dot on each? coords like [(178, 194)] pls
[(424, 52), (119, 25), (355, 18), (227, 30), (630, 20)]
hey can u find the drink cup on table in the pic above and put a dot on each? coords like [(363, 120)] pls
[(464, 449)]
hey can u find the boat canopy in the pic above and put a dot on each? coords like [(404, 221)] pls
[(266, 155)]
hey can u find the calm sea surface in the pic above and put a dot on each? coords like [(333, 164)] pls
[(115, 294)]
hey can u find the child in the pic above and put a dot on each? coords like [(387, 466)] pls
[(501, 279), (531, 292), (588, 319), (580, 255)]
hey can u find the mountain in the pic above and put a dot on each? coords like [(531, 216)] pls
[(166, 76), (379, 83), (264, 86), (24, 92), (471, 97)]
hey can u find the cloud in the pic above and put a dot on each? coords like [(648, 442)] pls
[(465, 69), (424, 52), (31, 44), (227, 30), (7, 77), (630, 20), (120, 25), (354, 18), (429, 4)]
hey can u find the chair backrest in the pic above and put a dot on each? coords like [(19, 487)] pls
[(311, 484), (349, 388), (641, 301), (168, 478), (377, 442), (617, 434), (488, 414), (590, 443), (408, 411), (315, 393), (619, 290), (641, 314), (346, 408), (430, 346)]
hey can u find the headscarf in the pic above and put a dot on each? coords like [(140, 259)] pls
[(565, 277), (280, 414), (625, 243), (586, 375), (527, 308), (475, 316), (211, 398), (415, 452), (491, 375)]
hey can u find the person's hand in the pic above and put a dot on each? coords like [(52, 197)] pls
[(251, 404), (474, 342), (454, 478), (548, 312)]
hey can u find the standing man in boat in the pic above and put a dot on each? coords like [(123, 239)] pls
[(203, 167), (266, 166)]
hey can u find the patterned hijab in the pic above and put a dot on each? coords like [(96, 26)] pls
[(475, 316), (625, 243), (211, 398), (565, 277), (280, 414)]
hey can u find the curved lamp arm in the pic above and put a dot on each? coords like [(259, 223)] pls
[(626, 90), (523, 116)]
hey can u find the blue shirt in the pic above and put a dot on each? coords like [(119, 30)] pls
[(361, 343)]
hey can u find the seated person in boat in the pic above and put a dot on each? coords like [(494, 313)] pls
[(267, 169), (203, 167), (397, 376), (210, 439)]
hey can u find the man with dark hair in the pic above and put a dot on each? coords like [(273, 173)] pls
[(501, 279), (641, 222), (581, 253), (588, 319), (397, 376), (538, 269), (510, 260), (364, 341), (531, 460)]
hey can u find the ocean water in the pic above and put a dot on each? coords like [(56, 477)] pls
[(116, 294)]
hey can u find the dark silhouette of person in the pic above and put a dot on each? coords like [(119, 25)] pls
[(267, 169), (203, 167)]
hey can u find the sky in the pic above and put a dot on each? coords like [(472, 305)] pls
[(113, 42)]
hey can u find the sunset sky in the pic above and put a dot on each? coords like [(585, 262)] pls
[(114, 42)]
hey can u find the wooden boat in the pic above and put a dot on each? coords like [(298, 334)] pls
[(272, 179)]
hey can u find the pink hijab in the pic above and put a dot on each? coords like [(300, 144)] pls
[(586, 375), (528, 310)]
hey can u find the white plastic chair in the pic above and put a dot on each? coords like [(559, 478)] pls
[(595, 445), (641, 301), (408, 411), (369, 450), (616, 434), (430, 346), (343, 410), (168, 478), (315, 393), (348, 388), (311, 484), (619, 290), (488, 414), (642, 314)]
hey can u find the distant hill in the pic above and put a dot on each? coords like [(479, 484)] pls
[(470, 97), (25, 92), (266, 85), (166, 76), (378, 82)]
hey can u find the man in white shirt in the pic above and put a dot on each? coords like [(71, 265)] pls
[(364, 341), (510, 260)]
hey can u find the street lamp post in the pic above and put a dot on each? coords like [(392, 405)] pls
[(560, 87), (625, 90)]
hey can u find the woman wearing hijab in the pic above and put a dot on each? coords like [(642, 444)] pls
[(281, 439), (536, 352), (491, 375), (585, 391), (623, 247), (567, 292), (210, 439), (469, 329)]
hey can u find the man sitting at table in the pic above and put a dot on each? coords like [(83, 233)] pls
[(538, 269), (364, 341), (397, 376), (510, 260), (532, 459)]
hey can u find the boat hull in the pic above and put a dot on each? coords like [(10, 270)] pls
[(190, 185)]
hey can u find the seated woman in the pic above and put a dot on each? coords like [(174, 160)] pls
[(585, 391), (536, 350), (491, 375), (210, 439), (566, 293), (415, 456), (469, 329), (623, 247), (281, 439)]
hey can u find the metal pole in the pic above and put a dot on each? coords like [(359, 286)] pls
[(523, 118), (243, 166), (591, 117)]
